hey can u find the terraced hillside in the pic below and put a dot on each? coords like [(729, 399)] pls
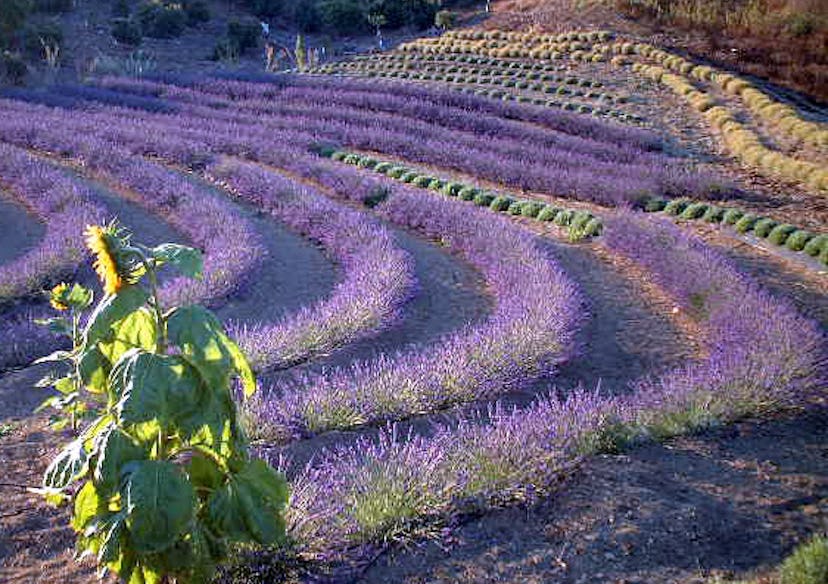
[(522, 307)]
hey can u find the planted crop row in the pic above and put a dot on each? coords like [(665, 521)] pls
[(349, 501), (530, 330), (554, 163), (743, 142), (231, 245), (378, 276), (780, 116), (781, 234), (63, 205), (578, 223)]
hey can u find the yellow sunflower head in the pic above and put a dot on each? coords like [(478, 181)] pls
[(105, 243), (57, 297)]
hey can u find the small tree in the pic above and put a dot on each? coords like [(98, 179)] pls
[(445, 19), (378, 20), (167, 483), (301, 53)]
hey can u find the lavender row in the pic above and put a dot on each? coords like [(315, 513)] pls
[(510, 160), (232, 248), (350, 501), (63, 205), (378, 276), (530, 331)]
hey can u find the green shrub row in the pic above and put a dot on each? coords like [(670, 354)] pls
[(579, 224), (781, 234)]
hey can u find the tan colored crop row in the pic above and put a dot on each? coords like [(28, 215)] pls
[(738, 139), (782, 117)]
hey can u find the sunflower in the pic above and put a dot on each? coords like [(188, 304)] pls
[(57, 297), (102, 242)]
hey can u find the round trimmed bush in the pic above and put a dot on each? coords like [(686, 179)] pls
[(397, 172), (367, 162), (383, 167), (654, 205), (746, 223), (676, 206), (501, 203), (422, 181), (731, 216), (483, 199), (451, 189), (409, 176), (580, 220), (694, 211), (548, 213), (779, 235), (713, 214), (436, 184), (515, 208), (352, 159), (467, 193), (763, 227), (564, 218), (339, 155), (593, 228), (798, 239), (531, 208), (816, 245)]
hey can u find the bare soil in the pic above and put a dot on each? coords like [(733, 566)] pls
[(19, 230)]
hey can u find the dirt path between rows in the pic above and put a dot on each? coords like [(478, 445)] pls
[(19, 230)]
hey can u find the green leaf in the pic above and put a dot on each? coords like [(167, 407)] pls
[(115, 450), (187, 260), (204, 472), (155, 388), (110, 548), (249, 506), (111, 310), (159, 504), (203, 341), (87, 506), (137, 330), (79, 297), (65, 385), (94, 370), (70, 464)]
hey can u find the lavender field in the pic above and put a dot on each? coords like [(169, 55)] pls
[(464, 271)]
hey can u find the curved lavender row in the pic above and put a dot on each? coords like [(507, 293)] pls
[(63, 205), (762, 353), (550, 167), (264, 98), (232, 248), (376, 267), (345, 504), (538, 309), (556, 121), (378, 275)]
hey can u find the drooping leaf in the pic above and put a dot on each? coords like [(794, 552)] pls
[(57, 325), (204, 472), (65, 385), (115, 450), (70, 464), (87, 506), (137, 330), (187, 260), (159, 502), (111, 310), (55, 357), (203, 341), (249, 506), (79, 297), (94, 370)]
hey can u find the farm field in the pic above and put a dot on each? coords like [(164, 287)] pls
[(521, 307)]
